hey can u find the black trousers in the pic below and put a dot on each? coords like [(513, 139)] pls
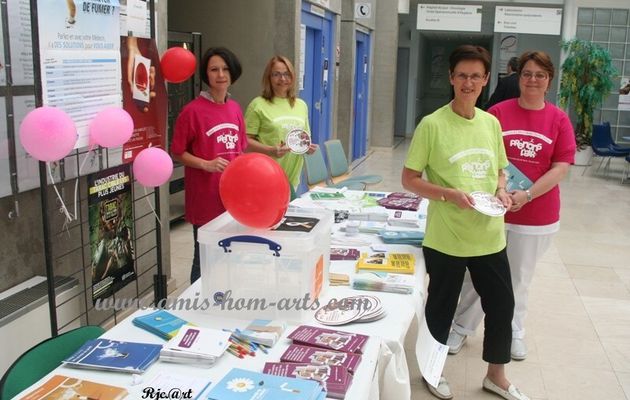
[(195, 271), (491, 278)]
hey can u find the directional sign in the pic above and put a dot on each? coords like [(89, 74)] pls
[(449, 17), (536, 20)]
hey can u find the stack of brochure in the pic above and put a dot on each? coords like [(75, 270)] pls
[(399, 263), (59, 387), (296, 353), (329, 339), (240, 384), (333, 378), (161, 323), (412, 237), (262, 331), (384, 282), (197, 345), (113, 355)]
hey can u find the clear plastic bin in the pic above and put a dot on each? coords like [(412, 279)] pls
[(249, 273)]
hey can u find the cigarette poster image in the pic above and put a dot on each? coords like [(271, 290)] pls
[(624, 93), (111, 230)]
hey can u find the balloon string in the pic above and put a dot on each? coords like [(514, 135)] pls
[(151, 205), (63, 205), (76, 183)]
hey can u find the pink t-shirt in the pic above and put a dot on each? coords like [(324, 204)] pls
[(534, 139), (207, 130)]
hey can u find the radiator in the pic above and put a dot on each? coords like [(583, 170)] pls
[(25, 318)]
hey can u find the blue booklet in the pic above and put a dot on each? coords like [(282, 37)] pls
[(240, 384), (113, 355), (161, 323), (516, 180)]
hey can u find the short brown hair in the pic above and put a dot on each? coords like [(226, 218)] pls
[(469, 52), (267, 92), (541, 58), (232, 62)]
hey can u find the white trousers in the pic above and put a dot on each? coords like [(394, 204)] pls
[(524, 251)]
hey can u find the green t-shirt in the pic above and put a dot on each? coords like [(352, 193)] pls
[(456, 152), (269, 123)]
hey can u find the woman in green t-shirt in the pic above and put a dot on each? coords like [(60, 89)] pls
[(275, 113)]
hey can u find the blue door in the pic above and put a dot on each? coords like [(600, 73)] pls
[(316, 87), (361, 81)]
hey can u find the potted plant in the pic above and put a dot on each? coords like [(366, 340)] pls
[(587, 79)]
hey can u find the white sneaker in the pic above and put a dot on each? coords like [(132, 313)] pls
[(70, 22), (518, 350), (442, 391), (455, 342), (512, 393)]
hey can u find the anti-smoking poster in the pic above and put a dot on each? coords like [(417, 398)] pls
[(111, 230), (80, 58), (144, 95)]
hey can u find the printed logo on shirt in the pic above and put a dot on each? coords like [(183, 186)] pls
[(528, 148), (477, 169), (226, 134), (288, 123)]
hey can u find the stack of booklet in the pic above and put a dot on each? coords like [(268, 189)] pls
[(384, 282), (296, 353), (329, 339), (334, 379), (412, 237), (63, 387), (401, 201), (262, 331), (400, 263), (113, 355), (196, 345), (160, 323), (240, 384)]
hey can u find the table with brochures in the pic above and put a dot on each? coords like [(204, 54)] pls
[(382, 373)]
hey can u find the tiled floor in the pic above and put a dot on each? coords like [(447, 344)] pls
[(578, 329)]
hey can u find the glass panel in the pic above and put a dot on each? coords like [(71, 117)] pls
[(618, 35), (601, 33), (616, 50), (620, 17), (624, 118), (602, 16), (609, 116), (584, 32), (611, 101), (618, 64), (585, 16), (623, 131), (626, 70), (628, 51)]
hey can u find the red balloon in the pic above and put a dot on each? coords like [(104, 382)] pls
[(178, 64), (255, 190)]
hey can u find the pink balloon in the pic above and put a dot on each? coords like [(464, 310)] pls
[(112, 127), (48, 134), (152, 167)]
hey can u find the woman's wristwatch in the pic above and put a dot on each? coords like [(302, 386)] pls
[(529, 195)]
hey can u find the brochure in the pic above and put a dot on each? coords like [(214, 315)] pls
[(113, 355), (401, 201), (335, 380), (240, 384), (160, 323), (401, 263), (337, 253), (329, 339), (61, 387), (317, 356), (385, 282), (296, 224), (262, 331), (516, 180), (195, 344)]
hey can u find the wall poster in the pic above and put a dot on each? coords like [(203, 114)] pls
[(111, 225)]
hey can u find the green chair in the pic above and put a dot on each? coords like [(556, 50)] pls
[(317, 174), (338, 165), (42, 358)]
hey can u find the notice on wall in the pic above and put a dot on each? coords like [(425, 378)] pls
[(624, 93), (19, 13), (27, 166), (134, 18), (111, 230), (80, 58), (534, 20), (144, 95), (3, 71), (449, 17), (5, 173)]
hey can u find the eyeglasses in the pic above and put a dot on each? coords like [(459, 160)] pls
[(540, 76), (475, 78), (278, 75)]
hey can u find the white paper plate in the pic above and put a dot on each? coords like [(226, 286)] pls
[(334, 315), (488, 204), (298, 141)]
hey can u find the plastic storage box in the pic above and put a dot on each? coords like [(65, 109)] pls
[(249, 273)]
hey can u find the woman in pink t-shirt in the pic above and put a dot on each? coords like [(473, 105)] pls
[(539, 141), (209, 133)]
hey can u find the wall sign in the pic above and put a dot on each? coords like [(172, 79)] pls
[(449, 17), (535, 20)]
